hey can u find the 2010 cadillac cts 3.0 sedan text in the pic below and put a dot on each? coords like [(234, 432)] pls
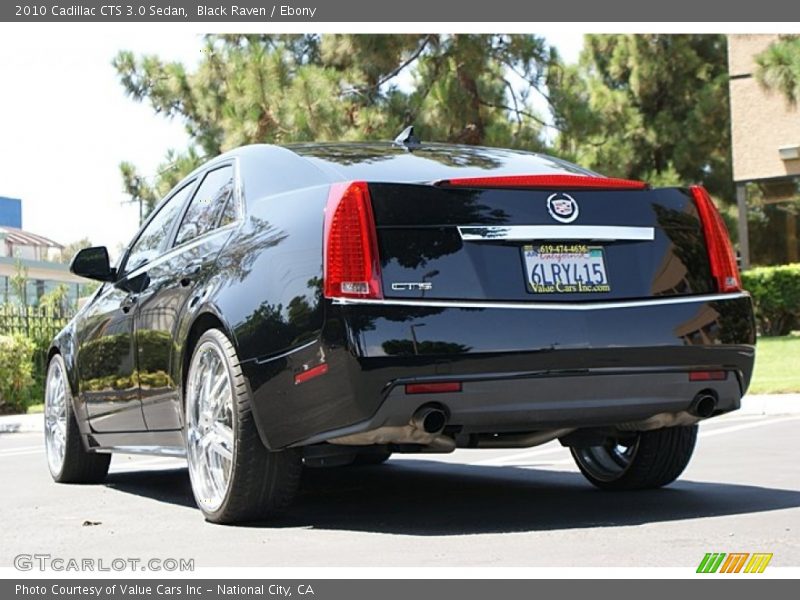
[(330, 304)]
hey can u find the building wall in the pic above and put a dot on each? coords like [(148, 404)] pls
[(28, 252), (42, 278), (11, 212), (761, 121)]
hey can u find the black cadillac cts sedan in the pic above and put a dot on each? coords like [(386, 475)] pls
[(330, 304)]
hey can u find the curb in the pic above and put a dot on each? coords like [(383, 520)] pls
[(770, 404), (22, 423)]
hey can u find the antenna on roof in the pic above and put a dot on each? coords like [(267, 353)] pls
[(407, 139)]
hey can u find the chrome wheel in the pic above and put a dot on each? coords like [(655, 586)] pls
[(55, 417), (608, 462), (209, 426)]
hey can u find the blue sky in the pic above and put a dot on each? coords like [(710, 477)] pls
[(65, 125)]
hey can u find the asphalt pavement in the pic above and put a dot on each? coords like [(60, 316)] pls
[(741, 493)]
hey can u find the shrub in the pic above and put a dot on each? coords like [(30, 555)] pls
[(776, 297), (39, 361), (16, 365)]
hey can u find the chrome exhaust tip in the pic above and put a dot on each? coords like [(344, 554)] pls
[(430, 419), (703, 405)]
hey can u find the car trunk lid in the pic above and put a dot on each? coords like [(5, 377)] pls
[(545, 239)]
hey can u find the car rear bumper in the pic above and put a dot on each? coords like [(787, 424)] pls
[(521, 367), (511, 403)]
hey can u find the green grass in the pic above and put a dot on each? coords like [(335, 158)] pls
[(777, 365), (35, 408)]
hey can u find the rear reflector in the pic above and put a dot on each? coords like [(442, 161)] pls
[(351, 267), (721, 256), (311, 373), (433, 388), (707, 375), (545, 182)]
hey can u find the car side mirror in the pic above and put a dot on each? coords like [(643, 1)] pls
[(93, 263)]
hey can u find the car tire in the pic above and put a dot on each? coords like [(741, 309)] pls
[(67, 459), (234, 477), (652, 459), (371, 456)]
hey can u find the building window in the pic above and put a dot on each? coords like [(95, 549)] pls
[(774, 221), (39, 289)]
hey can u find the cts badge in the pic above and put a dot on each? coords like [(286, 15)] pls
[(562, 207), (412, 286)]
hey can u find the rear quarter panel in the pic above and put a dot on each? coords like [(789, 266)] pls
[(270, 276), (268, 290)]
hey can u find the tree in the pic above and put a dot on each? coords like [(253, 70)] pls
[(57, 300), (778, 67), (651, 107), (472, 89), (19, 282)]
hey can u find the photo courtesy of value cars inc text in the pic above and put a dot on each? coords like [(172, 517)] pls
[(170, 591), (297, 297)]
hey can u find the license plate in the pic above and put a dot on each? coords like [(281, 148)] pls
[(565, 269)]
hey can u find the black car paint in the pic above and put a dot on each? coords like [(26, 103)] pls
[(419, 241), (260, 280), (372, 348)]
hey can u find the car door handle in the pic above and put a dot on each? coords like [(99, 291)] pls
[(189, 272), (127, 303)]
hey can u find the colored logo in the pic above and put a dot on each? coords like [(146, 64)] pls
[(734, 562), (562, 207)]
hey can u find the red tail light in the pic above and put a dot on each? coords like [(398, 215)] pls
[(545, 181), (351, 262), (707, 375), (720, 250), (311, 373), (433, 388)]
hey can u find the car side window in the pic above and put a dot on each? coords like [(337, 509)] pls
[(210, 203), (153, 238), (230, 212)]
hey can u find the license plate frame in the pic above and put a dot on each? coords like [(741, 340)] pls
[(565, 269)]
